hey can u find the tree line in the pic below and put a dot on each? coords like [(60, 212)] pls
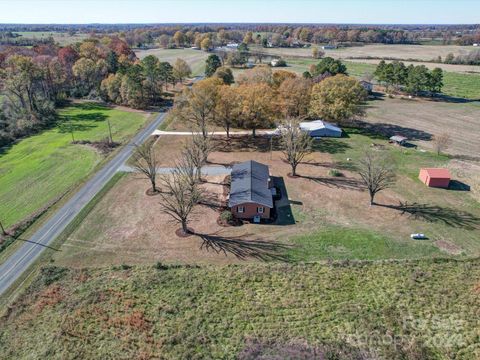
[(412, 79), (35, 81), (260, 97)]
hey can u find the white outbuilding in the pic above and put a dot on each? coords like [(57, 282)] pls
[(320, 128)]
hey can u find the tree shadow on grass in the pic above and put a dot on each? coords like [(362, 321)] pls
[(213, 201), (383, 130), (337, 182), (260, 143), (452, 99), (68, 127), (330, 146), (433, 213), (242, 248), (340, 165), (93, 117)]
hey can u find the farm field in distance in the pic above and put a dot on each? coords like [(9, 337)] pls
[(426, 309), (63, 38), (194, 58), (421, 119), (42, 167), (405, 52)]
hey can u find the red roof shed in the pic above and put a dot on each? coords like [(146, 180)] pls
[(435, 177)]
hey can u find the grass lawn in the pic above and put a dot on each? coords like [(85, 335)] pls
[(406, 310), (42, 167), (324, 217)]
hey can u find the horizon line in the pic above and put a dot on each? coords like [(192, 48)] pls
[(236, 22)]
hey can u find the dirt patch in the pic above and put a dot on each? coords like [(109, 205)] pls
[(103, 146), (182, 234), (448, 247), (150, 192)]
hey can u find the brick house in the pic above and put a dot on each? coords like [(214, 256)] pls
[(250, 191)]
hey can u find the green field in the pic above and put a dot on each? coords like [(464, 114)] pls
[(42, 167), (404, 310), (62, 38), (194, 58)]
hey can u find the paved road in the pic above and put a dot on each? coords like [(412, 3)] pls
[(19, 261), (206, 170)]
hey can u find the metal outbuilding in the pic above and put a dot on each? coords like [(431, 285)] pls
[(320, 128), (435, 177)]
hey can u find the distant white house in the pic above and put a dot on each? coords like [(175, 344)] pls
[(320, 128)]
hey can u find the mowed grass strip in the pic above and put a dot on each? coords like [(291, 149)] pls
[(408, 310), (42, 167), (337, 243)]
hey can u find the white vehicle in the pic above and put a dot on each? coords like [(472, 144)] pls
[(418, 236)]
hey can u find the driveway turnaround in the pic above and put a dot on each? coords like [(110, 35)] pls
[(20, 261)]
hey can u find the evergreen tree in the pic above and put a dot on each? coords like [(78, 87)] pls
[(213, 62)]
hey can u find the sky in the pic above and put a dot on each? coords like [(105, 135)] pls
[(215, 11)]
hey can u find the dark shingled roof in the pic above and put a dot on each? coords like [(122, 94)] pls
[(250, 184)]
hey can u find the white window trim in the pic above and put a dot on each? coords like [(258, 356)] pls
[(260, 209), (240, 209)]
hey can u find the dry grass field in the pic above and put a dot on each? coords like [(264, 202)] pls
[(420, 119), (465, 69), (418, 52)]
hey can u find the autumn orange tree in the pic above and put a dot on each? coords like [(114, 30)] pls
[(293, 96), (257, 109), (228, 107), (280, 76), (181, 70), (197, 104), (337, 98)]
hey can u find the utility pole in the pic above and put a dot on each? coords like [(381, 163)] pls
[(110, 130), (4, 233)]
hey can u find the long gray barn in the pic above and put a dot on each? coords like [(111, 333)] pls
[(320, 128)]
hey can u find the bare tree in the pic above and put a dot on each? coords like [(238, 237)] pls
[(441, 142), (296, 144), (186, 167), (196, 151), (145, 162), (180, 197), (377, 173), (197, 104)]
